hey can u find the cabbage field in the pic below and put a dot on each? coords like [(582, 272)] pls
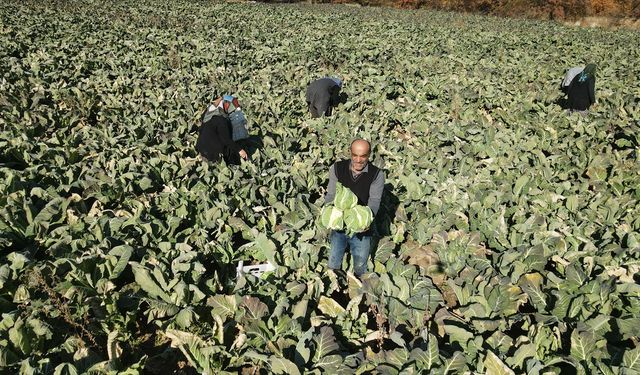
[(508, 236)]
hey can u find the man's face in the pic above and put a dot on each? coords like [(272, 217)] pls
[(359, 155)]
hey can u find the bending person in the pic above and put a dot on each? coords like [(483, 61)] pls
[(580, 87), (322, 95), (215, 136)]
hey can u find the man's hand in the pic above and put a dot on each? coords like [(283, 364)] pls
[(243, 154)]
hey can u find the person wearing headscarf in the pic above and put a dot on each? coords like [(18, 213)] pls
[(580, 86), (322, 95), (215, 139)]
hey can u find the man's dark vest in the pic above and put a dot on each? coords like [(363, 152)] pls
[(361, 184)]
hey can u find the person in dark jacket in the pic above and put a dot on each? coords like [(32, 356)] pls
[(366, 181), (215, 138), (322, 95), (580, 88)]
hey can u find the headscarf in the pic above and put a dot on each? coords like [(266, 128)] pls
[(589, 72), (337, 80), (221, 106), (227, 103)]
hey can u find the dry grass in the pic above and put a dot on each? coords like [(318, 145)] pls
[(583, 13), (607, 22)]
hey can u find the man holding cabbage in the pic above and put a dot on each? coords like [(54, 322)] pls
[(354, 194)]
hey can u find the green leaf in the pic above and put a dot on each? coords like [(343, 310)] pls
[(495, 366), (563, 300), (330, 307), (455, 364), (576, 275), (300, 309), (295, 288), (606, 370), (20, 337), (520, 183), (40, 328), (254, 308), (600, 324), (222, 305), (629, 327), (583, 345), (412, 184), (597, 172), (259, 330), (522, 353), (396, 337), (65, 369), (534, 259), (160, 309), (185, 317), (147, 284), (457, 333), (428, 358), (17, 260), (536, 296), (572, 203), (192, 347), (384, 250), (631, 359), (281, 365), (329, 363), (21, 295), (114, 350), (504, 299), (145, 183), (325, 344), (122, 253), (46, 216), (303, 353), (7, 357), (267, 247), (500, 341), (397, 357), (5, 275)]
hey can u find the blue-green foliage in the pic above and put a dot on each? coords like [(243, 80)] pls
[(508, 232)]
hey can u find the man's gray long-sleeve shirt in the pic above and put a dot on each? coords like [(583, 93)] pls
[(375, 190)]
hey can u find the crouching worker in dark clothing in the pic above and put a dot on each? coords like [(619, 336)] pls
[(580, 86), (322, 95), (215, 139)]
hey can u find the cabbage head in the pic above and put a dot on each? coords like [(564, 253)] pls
[(331, 217), (357, 219), (345, 199)]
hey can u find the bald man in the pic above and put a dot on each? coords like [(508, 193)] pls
[(366, 181)]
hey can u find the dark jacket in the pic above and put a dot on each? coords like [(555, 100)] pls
[(322, 95), (581, 94), (214, 141)]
